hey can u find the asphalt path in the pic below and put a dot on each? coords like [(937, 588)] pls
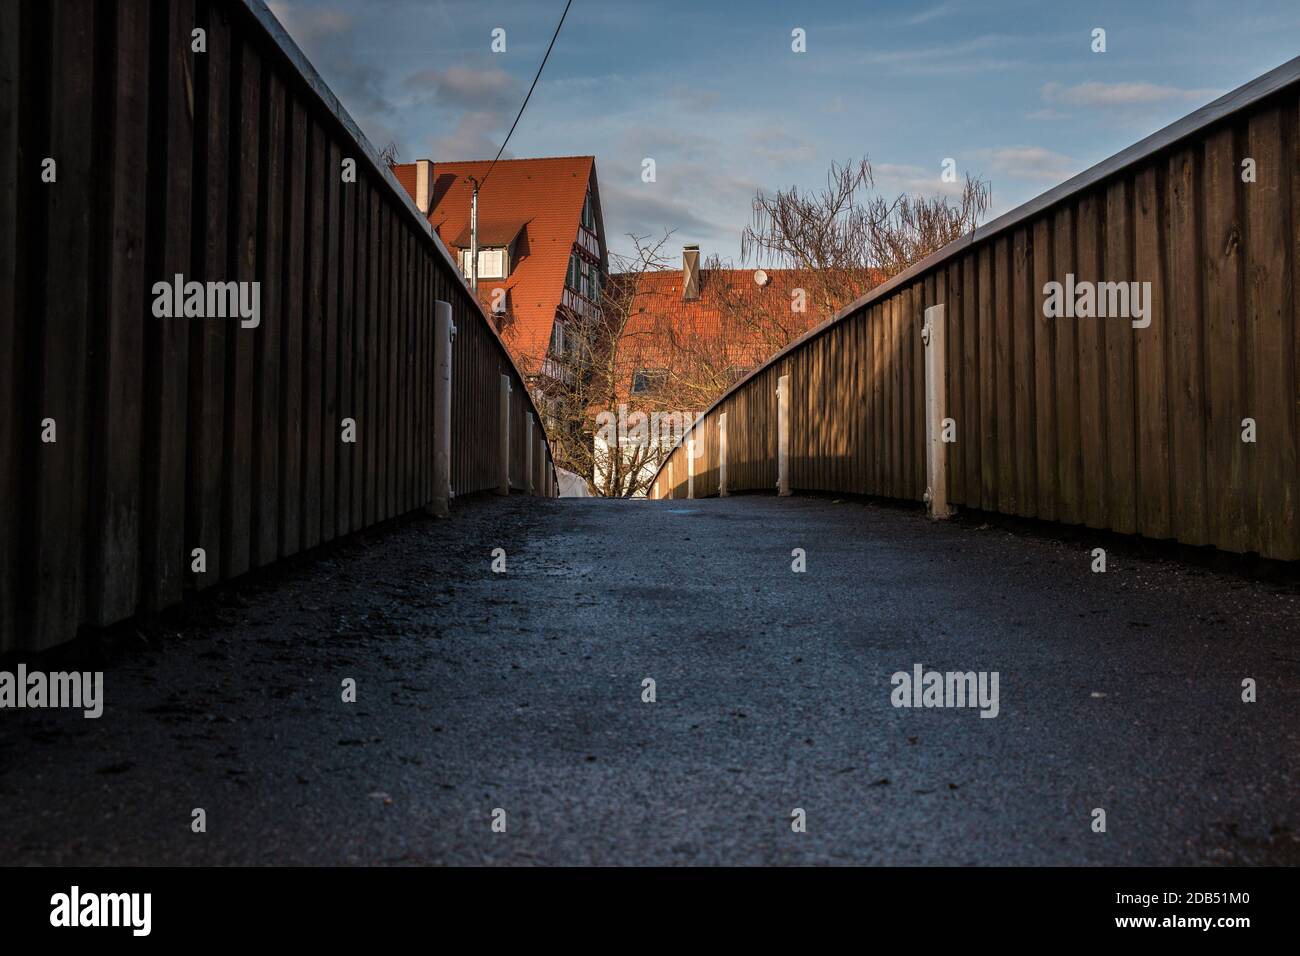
[(523, 691)]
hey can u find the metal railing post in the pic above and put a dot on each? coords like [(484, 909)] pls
[(936, 449), (690, 468), (528, 456), (722, 455), (783, 435)]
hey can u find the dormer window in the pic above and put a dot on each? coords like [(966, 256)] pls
[(491, 263)]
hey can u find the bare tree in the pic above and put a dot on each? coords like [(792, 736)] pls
[(848, 237), (603, 353)]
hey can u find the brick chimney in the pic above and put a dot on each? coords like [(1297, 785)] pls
[(690, 273)]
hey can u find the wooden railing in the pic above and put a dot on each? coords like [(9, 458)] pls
[(1186, 429), (131, 443)]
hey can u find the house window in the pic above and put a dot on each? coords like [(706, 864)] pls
[(648, 380), (491, 263), (588, 214), (557, 339)]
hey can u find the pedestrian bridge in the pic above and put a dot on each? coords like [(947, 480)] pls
[(676, 680), (150, 450)]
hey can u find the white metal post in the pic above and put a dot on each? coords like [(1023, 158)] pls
[(540, 482), (690, 468), (443, 333), (503, 451), (473, 237), (722, 455), (783, 435), (670, 479), (936, 449), (528, 458)]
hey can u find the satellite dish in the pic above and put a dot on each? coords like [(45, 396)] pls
[(760, 277)]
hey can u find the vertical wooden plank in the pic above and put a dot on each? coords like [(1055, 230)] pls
[(1182, 312), (957, 384), (932, 295), (208, 335), (1091, 357), (12, 425), (1121, 400), (60, 483), (1022, 321), (291, 346), (1045, 404), (894, 424), (165, 557), (971, 430), (361, 407), (424, 384), (1150, 361), (1069, 460), (313, 333), (1270, 314), (347, 273), (118, 407), (245, 174), (987, 381), (407, 435), (917, 317), (880, 444), (1008, 480), (383, 354), (270, 335), (374, 368), (330, 431), (401, 298), (1293, 162), (859, 435), (907, 368)]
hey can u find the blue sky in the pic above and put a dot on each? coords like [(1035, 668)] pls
[(713, 93)]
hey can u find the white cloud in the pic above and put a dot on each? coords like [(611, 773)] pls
[(1109, 95), (473, 137), (925, 16), (1029, 162), (467, 87)]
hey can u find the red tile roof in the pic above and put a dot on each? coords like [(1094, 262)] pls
[(405, 173), (736, 322), (545, 196)]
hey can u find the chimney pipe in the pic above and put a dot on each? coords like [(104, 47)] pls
[(690, 273), (423, 184)]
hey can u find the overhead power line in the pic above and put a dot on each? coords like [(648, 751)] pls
[(554, 36)]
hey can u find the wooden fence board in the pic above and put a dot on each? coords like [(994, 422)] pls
[(118, 410)]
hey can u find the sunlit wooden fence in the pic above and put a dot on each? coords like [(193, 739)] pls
[(1185, 429)]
